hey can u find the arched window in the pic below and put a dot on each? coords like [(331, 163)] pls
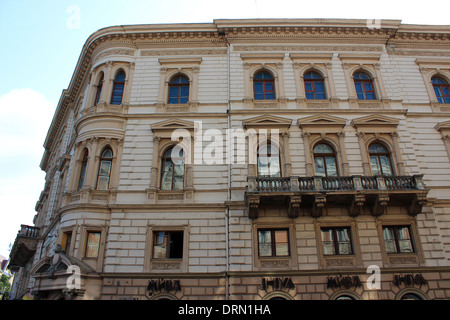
[(172, 170), (179, 90), (99, 90), (264, 86), (118, 86), (442, 89), (325, 160), (314, 86), (81, 181), (104, 170), (269, 161), (380, 160), (364, 86)]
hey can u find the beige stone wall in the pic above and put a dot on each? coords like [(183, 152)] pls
[(220, 237)]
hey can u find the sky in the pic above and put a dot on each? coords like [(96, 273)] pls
[(41, 41)]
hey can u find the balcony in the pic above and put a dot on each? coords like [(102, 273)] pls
[(24, 247), (353, 192)]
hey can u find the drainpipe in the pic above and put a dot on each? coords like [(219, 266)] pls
[(227, 210)]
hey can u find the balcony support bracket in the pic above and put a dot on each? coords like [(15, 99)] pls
[(356, 205)]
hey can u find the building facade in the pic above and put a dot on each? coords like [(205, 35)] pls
[(247, 159)]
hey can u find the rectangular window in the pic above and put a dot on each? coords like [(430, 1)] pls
[(92, 244), (168, 244), (336, 241), (398, 239), (273, 242)]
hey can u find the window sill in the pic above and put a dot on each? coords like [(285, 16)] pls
[(183, 195), (276, 263), (339, 261), (398, 259), (167, 265), (177, 107)]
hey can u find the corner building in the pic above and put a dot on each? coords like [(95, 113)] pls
[(316, 160)]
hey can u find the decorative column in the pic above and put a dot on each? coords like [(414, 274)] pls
[(308, 160), (89, 181), (365, 159), (446, 139), (398, 155), (342, 150), (154, 170), (287, 155)]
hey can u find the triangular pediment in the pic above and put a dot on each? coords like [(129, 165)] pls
[(172, 124), (267, 121), (443, 127), (375, 120), (321, 119)]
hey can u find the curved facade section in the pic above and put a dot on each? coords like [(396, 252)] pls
[(247, 159)]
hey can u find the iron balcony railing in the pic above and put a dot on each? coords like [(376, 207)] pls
[(349, 183)]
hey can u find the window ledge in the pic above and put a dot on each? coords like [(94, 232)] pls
[(339, 261), (403, 258), (177, 107), (274, 263)]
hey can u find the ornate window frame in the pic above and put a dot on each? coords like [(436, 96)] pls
[(109, 69), (372, 128), (400, 259), (162, 140), (320, 63), (166, 265), (370, 64), (279, 262), (94, 146), (95, 263), (254, 63), (338, 261), (328, 129), (171, 67), (431, 67), (260, 133)]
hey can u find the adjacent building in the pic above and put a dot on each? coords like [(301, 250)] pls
[(247, 159)]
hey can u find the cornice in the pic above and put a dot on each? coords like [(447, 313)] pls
[(221, 32)]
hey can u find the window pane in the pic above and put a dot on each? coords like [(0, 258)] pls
[(308, 86), (323, 148), (310, 95), (331, 166), (319, 166), (389, 240), (103, 182), (176, 245), (92, 244), (179, 176), (327, 241), (281, 243), (270, 96), (375, 167), (385, 166), (437, 91), (344, 242), (404, 240), (160, 245), (274, 167), (166, 181), (105, 168), (265, 244)]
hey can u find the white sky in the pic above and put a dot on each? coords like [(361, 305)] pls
[(41, 42)]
